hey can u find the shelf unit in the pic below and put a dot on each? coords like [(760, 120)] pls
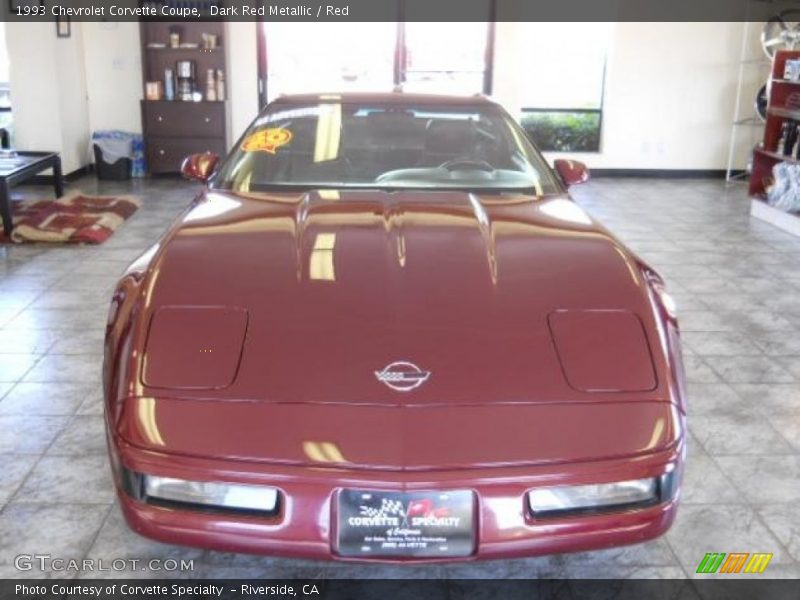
[(783, 105), (746, 123), (174, 129)]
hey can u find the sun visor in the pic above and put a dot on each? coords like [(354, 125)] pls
[(603, 350), (194, 347)]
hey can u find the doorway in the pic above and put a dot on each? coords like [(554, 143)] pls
[(319, 57)]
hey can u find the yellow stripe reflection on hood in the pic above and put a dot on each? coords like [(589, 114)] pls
[(146, 413)]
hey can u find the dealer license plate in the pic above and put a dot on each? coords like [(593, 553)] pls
[(419, 524)]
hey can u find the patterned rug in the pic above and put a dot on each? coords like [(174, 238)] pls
[(72, 219)]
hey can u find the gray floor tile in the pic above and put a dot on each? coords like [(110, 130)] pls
[(738, 434), (15, 467), (70, 299), (8, 314), (705, 483), (705, 320), (770, 397), (15, 300), (351, 571), (85, 342), (13, 367), (68, 368), (722, 343), (764, 479), (787, 423), (58, 319), (618, 572), (522, 568), (784, 521), (778, 343), (93, 404), (697, 371), (28, 435), (16, 341), (23, 283), (654, 553), (791, 364), (84, 435), (748, 369), (760, 321), (717, 398), (42, 399), (57, 530), (68, 479)]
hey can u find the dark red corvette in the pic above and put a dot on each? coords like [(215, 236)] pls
[(385, 332)]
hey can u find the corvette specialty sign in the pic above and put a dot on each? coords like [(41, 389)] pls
[(424, 524)]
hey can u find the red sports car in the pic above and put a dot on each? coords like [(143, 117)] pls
[(385, 332)]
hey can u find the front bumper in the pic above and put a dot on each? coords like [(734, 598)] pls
[(305, 525)]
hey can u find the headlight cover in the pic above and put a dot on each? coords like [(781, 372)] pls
[(593, 497), (226, 496)]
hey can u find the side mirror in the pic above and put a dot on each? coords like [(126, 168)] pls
[(199, 166), (571, 171)]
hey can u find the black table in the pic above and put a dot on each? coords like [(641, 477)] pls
[(19, 168)]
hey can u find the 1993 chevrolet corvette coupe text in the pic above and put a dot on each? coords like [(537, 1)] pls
[(385, 332)]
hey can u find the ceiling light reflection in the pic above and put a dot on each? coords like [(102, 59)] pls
[(213, 206), (329, 130), (565, 210), (324, 452), (146, 413), (320, 263)]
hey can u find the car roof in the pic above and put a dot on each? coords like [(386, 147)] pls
[(398, 98)]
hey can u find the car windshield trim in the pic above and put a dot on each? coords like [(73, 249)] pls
[(311, 187), (386, 146)]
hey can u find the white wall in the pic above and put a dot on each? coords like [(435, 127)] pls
[(32, 76), (72, 100), (669, 97), (113, 75), (242, 77), (48, 91)]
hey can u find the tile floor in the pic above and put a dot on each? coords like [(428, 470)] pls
[(737, 284)]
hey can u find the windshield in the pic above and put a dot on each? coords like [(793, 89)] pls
[(390, 146)]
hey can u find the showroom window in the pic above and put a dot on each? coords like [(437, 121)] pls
[(310, 57), (562, 100), (413, 57), (452, 64)]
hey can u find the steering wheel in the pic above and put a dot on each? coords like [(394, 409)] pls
[(466, 163)]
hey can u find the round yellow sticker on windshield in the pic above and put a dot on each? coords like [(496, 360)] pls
[(267, 140)]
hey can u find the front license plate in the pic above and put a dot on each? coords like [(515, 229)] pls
[(420, 524)]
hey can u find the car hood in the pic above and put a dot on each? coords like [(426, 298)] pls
[(308, 297)]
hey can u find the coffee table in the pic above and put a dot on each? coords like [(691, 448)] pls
[(16, 169)]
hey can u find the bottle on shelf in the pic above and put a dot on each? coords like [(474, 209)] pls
[(211, 86), (791, 138), (169, 85), (796, 153), (220, 85), (783, 137)]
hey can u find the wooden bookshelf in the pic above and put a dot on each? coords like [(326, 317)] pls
[(174, 129)]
